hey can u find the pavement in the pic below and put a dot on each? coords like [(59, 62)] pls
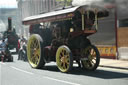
[(113, 63)]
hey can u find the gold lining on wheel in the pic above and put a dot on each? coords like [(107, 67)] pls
[(90, 54), (34, 51), (63, 59)]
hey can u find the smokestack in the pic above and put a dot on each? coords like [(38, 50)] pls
[(9, 23)]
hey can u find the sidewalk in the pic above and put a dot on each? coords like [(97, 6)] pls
[(112, 63)]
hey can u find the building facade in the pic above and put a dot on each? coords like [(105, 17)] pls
[(35, 7)]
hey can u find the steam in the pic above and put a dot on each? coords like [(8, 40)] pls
[(120, 5), (91, 3), (2, 25), (122, 8), (84, 2)]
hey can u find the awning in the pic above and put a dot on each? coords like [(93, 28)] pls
[(61, 14)]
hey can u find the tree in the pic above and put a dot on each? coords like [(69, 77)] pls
[(65, 2)]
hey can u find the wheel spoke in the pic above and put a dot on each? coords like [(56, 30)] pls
[(92, 53), (34, 48), (33, 59), (63, 52), (33, 56), (61, 55), (64, 65), (64, 59), (38, 52), (36, 60), (35, 51), (32, 44), (61, 63), (36, 44), (93, 62), (67, 59)]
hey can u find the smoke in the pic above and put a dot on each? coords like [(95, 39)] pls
[(85, 2), (122, 8), (2, 26), (91, 3), (120, 5)]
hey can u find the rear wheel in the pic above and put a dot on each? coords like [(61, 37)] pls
[(34, 51), (64, 59), (91, 62)]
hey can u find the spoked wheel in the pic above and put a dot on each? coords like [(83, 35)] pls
[(34, 51), (92, 58), (64, 59)]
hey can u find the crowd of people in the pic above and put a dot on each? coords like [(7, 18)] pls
[(4, 46)]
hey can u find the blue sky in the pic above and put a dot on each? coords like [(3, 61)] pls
[(8, 4)]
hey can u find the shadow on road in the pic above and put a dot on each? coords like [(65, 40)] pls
[(51, 68), (104, 74), (98, 73)]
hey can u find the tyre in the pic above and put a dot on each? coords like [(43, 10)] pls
[(92, 58), (35, 51), (64, 59)]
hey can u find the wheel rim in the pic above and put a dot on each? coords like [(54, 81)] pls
[(33, 51), (91, 55), (63, 59)]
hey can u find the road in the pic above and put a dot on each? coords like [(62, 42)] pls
[(20, 73)]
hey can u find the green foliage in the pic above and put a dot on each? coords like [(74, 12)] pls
[(66, 2)]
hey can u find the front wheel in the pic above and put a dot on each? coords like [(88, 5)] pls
[(64, 59), (35, 51), (92, 58)]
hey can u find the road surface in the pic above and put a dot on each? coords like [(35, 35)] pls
[(20, 73)]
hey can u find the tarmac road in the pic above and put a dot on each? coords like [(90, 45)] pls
[(20, 73)]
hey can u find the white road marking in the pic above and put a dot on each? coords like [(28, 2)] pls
[(22, 70), (61, 81)]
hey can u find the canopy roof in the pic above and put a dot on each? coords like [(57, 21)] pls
[(63, 14)]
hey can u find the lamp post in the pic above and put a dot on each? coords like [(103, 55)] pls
[(116, 32)]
